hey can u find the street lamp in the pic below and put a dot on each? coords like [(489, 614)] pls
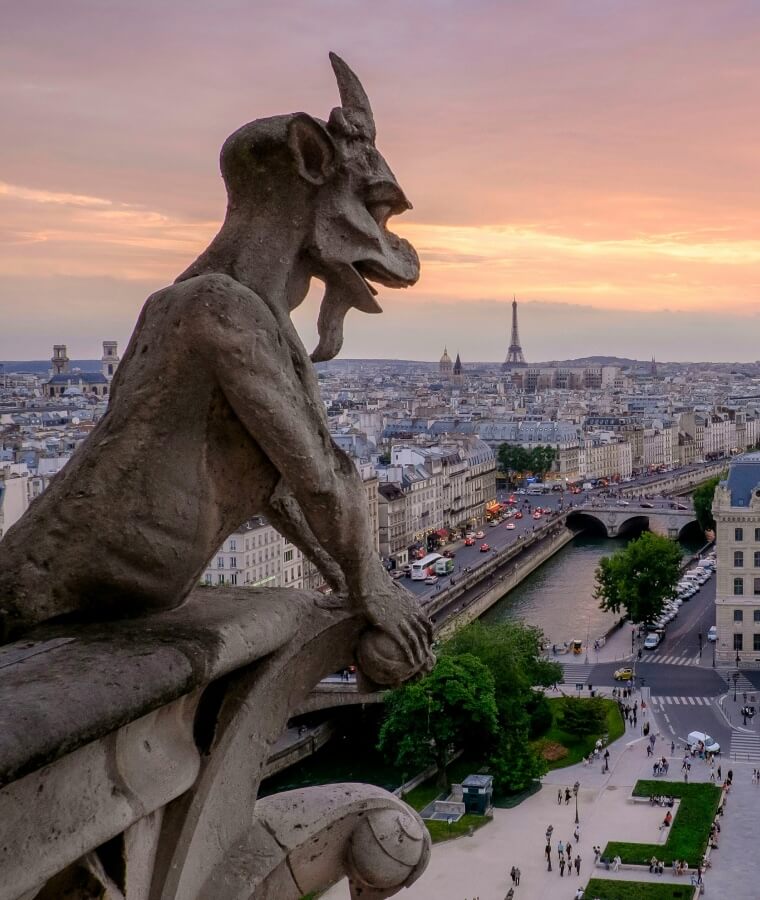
[(633, 639), (576, 786)]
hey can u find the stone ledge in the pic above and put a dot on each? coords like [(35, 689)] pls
[(112, 673)]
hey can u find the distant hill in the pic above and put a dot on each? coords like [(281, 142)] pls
[(42, 366)]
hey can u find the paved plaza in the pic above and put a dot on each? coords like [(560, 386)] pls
[(478, 866)]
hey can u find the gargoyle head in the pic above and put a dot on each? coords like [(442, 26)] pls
[(352, 193)]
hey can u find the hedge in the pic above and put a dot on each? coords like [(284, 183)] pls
[(689, 831), (607, 889)]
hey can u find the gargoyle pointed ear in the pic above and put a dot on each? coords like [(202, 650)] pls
[(312, 147), (354, 101)]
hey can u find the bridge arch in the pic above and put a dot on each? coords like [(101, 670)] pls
[(691, 530), (633, 525), (585, 521)]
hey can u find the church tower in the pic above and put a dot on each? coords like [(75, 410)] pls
[(110, 359), (458, 374), (60, 360), (445, 366)]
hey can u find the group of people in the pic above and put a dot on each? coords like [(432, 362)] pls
[(660, 766), (565, 858)]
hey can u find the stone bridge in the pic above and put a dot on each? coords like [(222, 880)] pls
[(618, 520)]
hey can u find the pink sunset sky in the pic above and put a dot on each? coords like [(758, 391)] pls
[(600, 159)]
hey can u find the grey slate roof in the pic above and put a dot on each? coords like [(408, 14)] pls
[(743, 478)]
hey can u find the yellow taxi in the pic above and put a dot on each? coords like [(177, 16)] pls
[(625, 674)]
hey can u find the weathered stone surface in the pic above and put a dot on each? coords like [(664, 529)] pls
[(136, 720)]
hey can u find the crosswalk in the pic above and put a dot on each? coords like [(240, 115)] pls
[(743, 684), (745, 746), (576, 673), (682, 701), (666, 659)]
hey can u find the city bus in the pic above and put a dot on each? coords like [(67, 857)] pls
[(421, 566)]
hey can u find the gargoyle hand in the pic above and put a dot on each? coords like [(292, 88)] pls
[(398, 645)]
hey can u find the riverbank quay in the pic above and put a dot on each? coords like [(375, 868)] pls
[(479, 865)]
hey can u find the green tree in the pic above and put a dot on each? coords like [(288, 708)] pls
[(452, 708), (542, 459), (512, 653), (513, 459), (639, 577), (583, 716), (703, 498)]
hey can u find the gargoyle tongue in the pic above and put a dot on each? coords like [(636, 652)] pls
[(349, 290)]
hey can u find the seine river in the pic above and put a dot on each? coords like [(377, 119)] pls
[(559, 596)]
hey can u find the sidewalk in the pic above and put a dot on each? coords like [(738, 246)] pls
[(479, 865)]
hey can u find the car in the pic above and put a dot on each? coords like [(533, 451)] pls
[(449, 554), (623, 503), (651, 641), (484, 548), (479, 535), (469, 541), (470, 534), (431, 579), (397, 573), (624, 674), (510, 526), (493, 523), (646, 505), (712, 633), (699, 741), (518, 514), (537, 515)]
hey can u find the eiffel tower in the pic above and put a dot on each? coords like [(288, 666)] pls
[(515, 356)]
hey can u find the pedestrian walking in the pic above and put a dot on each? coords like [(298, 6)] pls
[(562, 867), (517, 875), (568, 795), (672, 747), (578, 864), (560, 849), (548, 853), (577, 833), (718, 773), (512, 873), (559, 797)]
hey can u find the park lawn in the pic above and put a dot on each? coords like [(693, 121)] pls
[(609, 889), (688, 833), (577, 746)]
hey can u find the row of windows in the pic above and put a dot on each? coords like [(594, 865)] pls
[(739, 587), (739, 642), (739, 534), (739, 615), (739, 559)]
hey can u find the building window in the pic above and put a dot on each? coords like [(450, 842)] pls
[(738, 587), (208, 579), (233, 562), (220, 579), (288, 556), (233, 578), (738, 534), (738, 559), (220, 562), (756, 615), (738, 615), (738, 642), (233, 545), (756, 642), (756, 587)]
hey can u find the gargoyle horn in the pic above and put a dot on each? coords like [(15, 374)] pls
[(355, 106)]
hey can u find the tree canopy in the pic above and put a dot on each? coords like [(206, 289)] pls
[(703, 498), (640, 577), (521, 460), (583, 715), (454, 707)]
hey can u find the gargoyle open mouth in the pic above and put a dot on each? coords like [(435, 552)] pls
[(374, 271)]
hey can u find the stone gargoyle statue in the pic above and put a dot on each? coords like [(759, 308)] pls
[(148, 721), (215, 413)]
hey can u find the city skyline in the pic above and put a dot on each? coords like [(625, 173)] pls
[(596, 161)]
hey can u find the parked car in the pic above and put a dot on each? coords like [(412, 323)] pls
[(484, 548), (493, 523), (624, 674), (712, 633), (699, 741), (651, 641), (431, 579)]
